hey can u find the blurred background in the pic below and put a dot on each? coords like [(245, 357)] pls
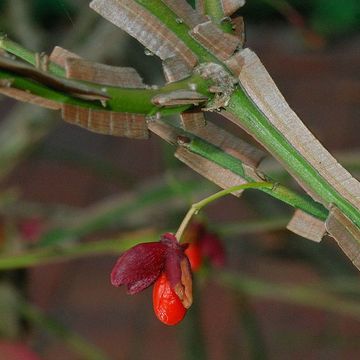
[(64, 190)]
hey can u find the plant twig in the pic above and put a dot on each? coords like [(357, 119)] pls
[(195, 208)]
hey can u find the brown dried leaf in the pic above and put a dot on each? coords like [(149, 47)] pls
[(215, 173), (239, 29), (107, 122), (85, 70), (192, 121), (59, 56), (146, 28), (307, 226), (179, 97), (200, 6), (231, 6), (230, 144), (175, 69), (79, 90), (258, 84), (27, 96), (185, 12), (164, 131), (346, 234), (235, 63), (221, 44)]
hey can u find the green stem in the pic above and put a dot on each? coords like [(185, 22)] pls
[(195, 208), (218, 156), (53, 254), (291, 294), (246, 113), (16, 49)]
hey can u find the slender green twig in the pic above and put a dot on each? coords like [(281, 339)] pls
[(53, 254), (291, 294), (256, 124), (195, 208)]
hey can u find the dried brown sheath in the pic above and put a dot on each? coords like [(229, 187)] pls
[(68, 86), (258, 84), (235, 63), (346, 234), (230, 144), (25, 96), (107, 122), (185, 12), (175, 69), (192, 121), (231, 6), (307, 226), (85, 70), (146, 28), (179, 97), (221, 44), (59, 56), (210, 170), (239, 29), (200, 6)]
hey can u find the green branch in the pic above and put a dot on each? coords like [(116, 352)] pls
[(54, 254), (291, 294), (248, 116)]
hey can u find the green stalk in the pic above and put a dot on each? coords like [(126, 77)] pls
[(279, 191), (14, 48), (214, 10), (54, 254), (246, 113), (290, 294), (122, 99), (195, 208)]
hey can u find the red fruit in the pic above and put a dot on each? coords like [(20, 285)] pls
[(167, 306), (194, 255)]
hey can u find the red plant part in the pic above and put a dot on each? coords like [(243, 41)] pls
[(203, 245), (167, 306), (193, 253), (140, 266)]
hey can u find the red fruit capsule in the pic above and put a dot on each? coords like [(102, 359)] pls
[(167, 306), (193, 252)]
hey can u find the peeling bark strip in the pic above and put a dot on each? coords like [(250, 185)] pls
[(192, 121), (346, 234), (76, 89), (113, 123), (26, 96), (230, 144), (307, 226), (231, 6), (262, 90), (175, 69), (59, 56), (179, 97), (85, 70), (185, 12), (213, 172), (146, 28), (221, 44)]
